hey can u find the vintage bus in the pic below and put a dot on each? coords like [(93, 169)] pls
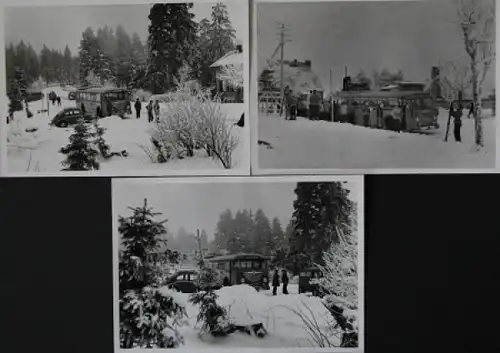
[(251, 269), (419, 108), (102, 102)]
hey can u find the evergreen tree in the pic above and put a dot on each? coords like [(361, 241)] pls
[(263, 242), (68, 65), (100, 142), (103, 62), (321, 210), (33, 66), (240, 239), (145, 311), (171, 42), (80, 153), (10, 62), (86, 54), (123, 60), (204, 239), (224, 230)]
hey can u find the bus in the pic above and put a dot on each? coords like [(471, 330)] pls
[(420, 109), (102, 102), (251, 269)]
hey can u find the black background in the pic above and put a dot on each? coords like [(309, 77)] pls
[(432, 264)]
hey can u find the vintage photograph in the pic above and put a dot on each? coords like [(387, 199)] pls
[(219, 263), (375, 85), (151, 88)]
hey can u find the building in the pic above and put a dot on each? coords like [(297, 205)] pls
[(230, 88)]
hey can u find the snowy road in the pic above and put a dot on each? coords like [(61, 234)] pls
[(38, 151), (304, 144)]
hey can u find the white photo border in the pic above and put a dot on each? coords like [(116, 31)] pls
[(254, 110), (358, 180), (242, 169)]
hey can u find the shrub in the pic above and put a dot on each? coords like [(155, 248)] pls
[(80, 153)]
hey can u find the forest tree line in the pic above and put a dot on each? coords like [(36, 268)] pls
[(322, 213), (113, 56)]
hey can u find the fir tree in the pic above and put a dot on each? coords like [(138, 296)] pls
[(86, 53), (263, 243), (320, 211), (212, 316), (100, 142), (148, 317), (80, 153), (171, 42)]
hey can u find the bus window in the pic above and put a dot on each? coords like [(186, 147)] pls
[(427, 102), (257, 265), (236, 264)]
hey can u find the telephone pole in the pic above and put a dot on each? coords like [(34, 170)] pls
[(283, 38), (198, 242)]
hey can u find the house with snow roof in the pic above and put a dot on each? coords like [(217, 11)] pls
[(229, 75)]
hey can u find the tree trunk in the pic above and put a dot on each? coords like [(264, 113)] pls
[(476, 101)]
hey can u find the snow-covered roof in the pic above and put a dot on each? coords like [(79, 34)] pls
[(299, 79), (232, 58)]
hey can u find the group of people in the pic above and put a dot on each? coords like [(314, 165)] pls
[(276, 281), (290, 104), (152, 108)]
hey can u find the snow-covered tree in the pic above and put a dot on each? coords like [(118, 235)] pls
[(340, 282), (477, 25), (212, 317), (100, 142), (454, 78), (149, 315), (232, 75), (81, 154), (85, 54)]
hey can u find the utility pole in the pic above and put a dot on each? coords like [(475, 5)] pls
[(282, 40), (198, 241)]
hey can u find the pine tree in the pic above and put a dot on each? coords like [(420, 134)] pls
[(171, 42), (148, 316), (212, 316), (103, 61), (321, 210), (263, 242), (86, 53), (224, 230), (68, 65), (123, 60), (80, 153), (100, 142)]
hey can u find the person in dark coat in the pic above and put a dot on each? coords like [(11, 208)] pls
[(314, 103), (276, 282), (59, 101), (83, 108), (284, 280), (138, 107), (456, 113), (150, 109)]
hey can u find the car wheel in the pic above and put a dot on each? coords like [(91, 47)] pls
[(63, 124)]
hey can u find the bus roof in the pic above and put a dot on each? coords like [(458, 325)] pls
[(101, 90), (381, 94), (241, 256)]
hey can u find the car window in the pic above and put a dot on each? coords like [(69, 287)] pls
[(193, 277), (180, 277)]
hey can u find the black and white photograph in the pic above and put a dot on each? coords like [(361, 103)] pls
[(139, 89), (374, 86), (214, 263)]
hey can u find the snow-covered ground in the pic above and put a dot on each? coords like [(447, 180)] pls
[(247, 306), (304, 144), (39, 151)]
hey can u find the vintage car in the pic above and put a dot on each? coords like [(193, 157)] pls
[(184, 281), (69, 116), (305, 278)]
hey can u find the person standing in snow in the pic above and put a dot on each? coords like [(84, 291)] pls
[(456, 113), (276, 281), (314, 103), (284, 280), (150, 111), (157, 110), (138, 107)]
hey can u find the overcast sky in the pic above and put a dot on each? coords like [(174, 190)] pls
[(57, 26), (407, 35), (199, 205)]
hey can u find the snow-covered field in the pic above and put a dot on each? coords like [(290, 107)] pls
[(304, 144), (39, 151), (247, 306)]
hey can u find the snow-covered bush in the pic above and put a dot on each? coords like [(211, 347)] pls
[(148, 317), (192, 121), (340, 282), (81, 154), (212, 316)]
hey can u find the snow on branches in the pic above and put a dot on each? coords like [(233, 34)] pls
[(232, 75)]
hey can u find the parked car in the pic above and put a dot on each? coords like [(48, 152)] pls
[(305, 284), (69, 116), (184, 281)]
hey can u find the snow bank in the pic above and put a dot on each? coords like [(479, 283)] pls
[(321, 144)]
